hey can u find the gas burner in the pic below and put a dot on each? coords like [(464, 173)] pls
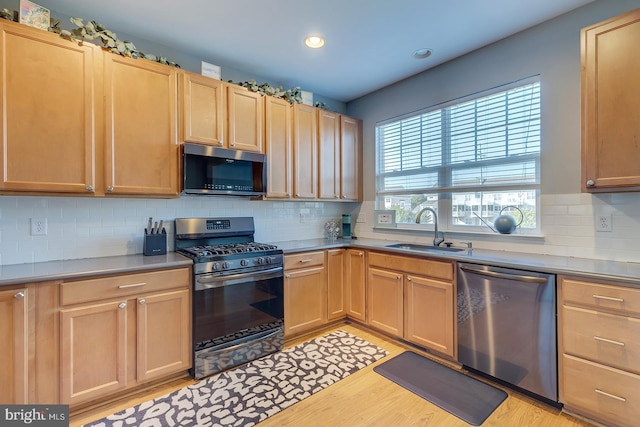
[(228, 249)]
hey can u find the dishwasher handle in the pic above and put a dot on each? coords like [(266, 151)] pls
[(508, 276)]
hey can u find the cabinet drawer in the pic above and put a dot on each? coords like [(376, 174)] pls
[(424, 267), (599, 295), (303, 260), (607, 393), (606, 338), (124, 285)]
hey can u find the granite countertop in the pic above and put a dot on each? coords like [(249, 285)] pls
[(628, 272), (71, 269)]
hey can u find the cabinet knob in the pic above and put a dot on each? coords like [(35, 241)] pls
[(110, 189), (122, 305), (19, 295), (360, 253), (288, 276), (89, 187), (408, 279), (590, 183), (143, 301), (398, 277)]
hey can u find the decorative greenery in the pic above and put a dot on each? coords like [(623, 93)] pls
[(9, 15), (321, 105), (93, 30), (294, 95)]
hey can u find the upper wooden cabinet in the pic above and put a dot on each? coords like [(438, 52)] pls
[(328, 155), (611, 105), (244, 119), (277, 131), (141, 118), (350, 159), (201, 109), (49, 105), (305, 151)]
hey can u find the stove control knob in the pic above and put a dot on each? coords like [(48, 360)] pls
[(244, 262), (260, 260), (269, 260), (216, 266), (225, 265)]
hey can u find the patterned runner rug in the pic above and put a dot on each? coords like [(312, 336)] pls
[(246, 395)]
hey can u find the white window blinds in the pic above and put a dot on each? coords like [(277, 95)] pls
[(488, 143)]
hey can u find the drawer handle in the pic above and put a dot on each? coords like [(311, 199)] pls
[(19, 295), (305, 260), (608, 341), (613, 396), (608, 298), (133, 285), (122, 305)]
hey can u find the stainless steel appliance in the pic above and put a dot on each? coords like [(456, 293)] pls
[(507, 327), (211, 170), (238, 299)]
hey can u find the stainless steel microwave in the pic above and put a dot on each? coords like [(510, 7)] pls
[(212, 170)]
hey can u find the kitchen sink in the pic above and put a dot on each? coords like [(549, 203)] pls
[(423, 248)]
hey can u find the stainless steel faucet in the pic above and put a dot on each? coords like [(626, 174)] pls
[(437, 238)]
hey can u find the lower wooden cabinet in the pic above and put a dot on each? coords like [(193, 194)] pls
[(336, 297), (138, 331), (599, 352), (385, 301), (14, 333), (429, 312), (355, 289), (304, 292), (412, 298)]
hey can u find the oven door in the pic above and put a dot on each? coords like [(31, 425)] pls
[(237, 318)]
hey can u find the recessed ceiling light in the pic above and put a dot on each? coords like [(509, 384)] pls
[(314, 42), (423, 53)]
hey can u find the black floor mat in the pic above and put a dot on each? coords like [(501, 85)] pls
[(465, 397)]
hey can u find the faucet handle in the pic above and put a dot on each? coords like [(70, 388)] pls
[(469, 244)]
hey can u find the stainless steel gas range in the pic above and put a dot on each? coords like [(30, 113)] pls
[(238, 299)]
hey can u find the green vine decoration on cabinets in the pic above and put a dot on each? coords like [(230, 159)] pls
[(93, 30)]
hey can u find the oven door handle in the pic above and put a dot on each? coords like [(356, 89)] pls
[(206, 281)]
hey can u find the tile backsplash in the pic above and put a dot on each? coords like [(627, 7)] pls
[(79, 227)]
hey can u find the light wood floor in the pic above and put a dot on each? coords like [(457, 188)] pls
[(368, 399)]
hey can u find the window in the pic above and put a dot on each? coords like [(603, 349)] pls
[(469, 160)]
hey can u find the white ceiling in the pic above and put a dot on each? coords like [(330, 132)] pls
[(369, 43)]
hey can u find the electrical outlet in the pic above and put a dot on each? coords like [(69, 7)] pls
[(603, 223), (38, 226)]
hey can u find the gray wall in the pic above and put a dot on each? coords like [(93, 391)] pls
[(551, 49)]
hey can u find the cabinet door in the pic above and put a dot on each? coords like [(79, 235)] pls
[(305, 151), (611, 104), (201, 108), (328, 155), (278, 147), (336, 298), (385, 298), (244, 117), (49, 111), (164, 334), (304, 300), (93, 342), (141, 140), (429, 311), (350, 159), (15, 336), (355, 286)]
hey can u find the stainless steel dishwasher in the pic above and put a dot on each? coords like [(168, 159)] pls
[(507, 326)]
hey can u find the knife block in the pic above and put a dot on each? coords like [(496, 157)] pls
[(155, 244)]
